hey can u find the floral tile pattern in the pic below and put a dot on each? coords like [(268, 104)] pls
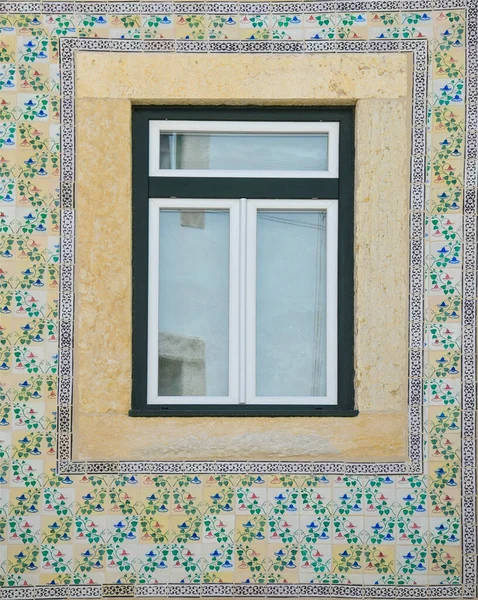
[(329, 530)]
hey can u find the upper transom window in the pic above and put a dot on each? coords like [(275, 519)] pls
[(243, 149)]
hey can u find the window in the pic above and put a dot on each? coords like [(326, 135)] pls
[(242, 262)]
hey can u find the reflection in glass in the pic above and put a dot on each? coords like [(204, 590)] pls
[(193, 303), (244, 151), (291, 303)]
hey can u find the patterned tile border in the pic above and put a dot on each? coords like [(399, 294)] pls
[(217, 8), (224, 590), (414, 465), (419, 49)]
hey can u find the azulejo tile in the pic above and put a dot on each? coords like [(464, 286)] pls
[(223, 27), (326, 529)]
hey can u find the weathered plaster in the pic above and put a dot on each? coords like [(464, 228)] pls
[(103, 386)]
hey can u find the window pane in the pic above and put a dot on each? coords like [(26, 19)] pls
[(193, 303), (250, 151), (291, 303)]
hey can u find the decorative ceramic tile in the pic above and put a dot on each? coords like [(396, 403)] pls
[(380, 530)]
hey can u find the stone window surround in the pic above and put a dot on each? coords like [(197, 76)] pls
[(380, 87)]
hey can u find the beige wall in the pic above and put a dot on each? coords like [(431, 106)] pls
[(379, 86)]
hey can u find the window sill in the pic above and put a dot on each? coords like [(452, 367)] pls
[(209, 410)]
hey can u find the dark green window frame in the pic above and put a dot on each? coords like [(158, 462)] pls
[(145, 187)]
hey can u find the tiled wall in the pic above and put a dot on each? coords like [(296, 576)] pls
[(119, 533)]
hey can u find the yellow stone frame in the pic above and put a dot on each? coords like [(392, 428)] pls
[(379, 85)]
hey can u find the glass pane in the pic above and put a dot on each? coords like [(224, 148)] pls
[(249, 151), (291, 303), (193, 303)]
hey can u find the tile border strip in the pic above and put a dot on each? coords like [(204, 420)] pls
[(469, 322), (224, 590), (414, 465), (216, 8)]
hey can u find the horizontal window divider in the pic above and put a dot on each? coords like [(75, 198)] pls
[(238, 187)]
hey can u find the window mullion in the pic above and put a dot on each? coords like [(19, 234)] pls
[(250, 300), (242, 298), (234, 303)]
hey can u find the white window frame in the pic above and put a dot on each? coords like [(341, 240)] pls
[(155, 206), (242, 300), (331, 208), (282, 127)]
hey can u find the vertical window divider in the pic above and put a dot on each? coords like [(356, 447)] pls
[(243, 374), (250, 299), (235, 334)]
